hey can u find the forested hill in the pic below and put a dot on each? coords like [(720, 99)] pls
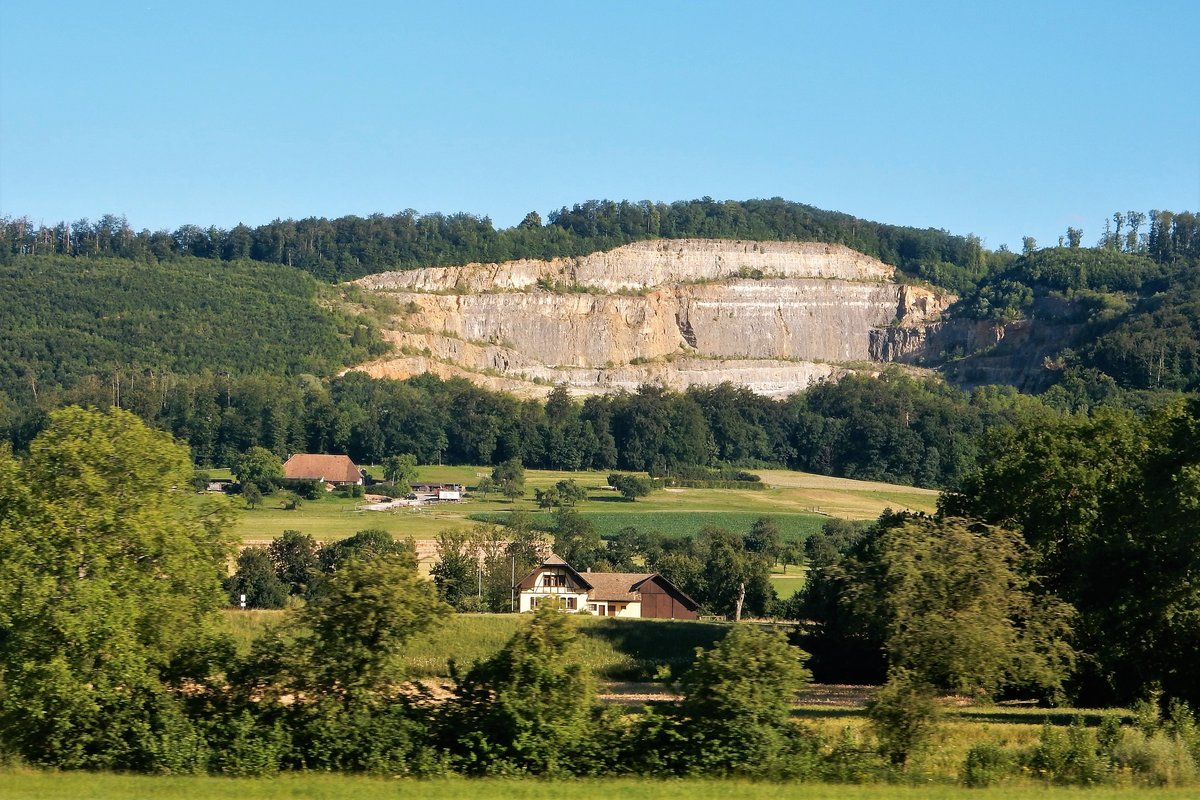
[(351, 247), (65, 320), (1127, 314)]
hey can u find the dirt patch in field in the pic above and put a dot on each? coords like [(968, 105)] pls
[(832, 695)]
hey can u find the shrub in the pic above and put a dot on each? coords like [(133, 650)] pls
[(851, 761), (734, 718), (1070, 758), (903, 716), (1157, 760), (305, 488), (986, 764), (527, 709), (242, 746)]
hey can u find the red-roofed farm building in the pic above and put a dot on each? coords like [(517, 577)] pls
[(337, 470)]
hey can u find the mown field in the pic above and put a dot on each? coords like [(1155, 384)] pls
[(19, 784), (799, 503)]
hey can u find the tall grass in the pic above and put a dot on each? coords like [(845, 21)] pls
[(21, 784)]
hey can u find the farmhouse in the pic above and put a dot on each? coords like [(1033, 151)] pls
[(337, 470), (607, 594)]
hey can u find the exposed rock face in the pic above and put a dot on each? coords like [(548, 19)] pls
[(644, 265), (774, 316)]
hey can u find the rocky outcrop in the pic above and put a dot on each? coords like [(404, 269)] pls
[(645, 265), (773, 316)]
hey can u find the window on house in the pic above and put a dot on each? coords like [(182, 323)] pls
[(569, 603), (551, 579)]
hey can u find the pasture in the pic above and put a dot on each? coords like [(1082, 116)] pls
[(613, 649), (798, 502)]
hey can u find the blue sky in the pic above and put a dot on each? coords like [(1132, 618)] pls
[(1000, 119)]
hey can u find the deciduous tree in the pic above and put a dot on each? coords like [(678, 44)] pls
[(107, 575)]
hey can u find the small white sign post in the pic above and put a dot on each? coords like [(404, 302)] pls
[(243, 602)]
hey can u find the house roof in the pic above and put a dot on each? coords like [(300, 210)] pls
[(616, 585), (311, 466), (552, 561)]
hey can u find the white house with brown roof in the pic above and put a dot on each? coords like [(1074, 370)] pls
[(606, 594), (338, 470)]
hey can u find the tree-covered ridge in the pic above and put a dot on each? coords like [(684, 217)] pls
[(1126, 313), (1157, 345), (1124, 261), (350, 247), (65, 319)]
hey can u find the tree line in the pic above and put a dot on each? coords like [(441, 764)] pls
[(350, 247), (892, 427), (1065, 560)]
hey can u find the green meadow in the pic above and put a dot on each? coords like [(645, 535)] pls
[(20, 784), (799, 503), (613, 649)]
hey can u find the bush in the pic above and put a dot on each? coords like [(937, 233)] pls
[(903, 715), (349, 490), (307, 489), (1071, 758), (1156, 760), (242, 746), (379, 739), (526, 710), (734, 718), (851, 761), (986, 764)]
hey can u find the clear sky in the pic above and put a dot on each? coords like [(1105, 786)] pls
[(1001, 119)]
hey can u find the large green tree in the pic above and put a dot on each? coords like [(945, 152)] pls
[(109, 575), (1107, 504), (950, 600), (259, 466)]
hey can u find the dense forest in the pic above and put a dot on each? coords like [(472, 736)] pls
[(71, 321), (892, 428), (351, 247)]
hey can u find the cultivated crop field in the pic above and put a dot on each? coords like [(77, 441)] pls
[(799, 503)]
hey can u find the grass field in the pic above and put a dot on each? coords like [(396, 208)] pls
[(626, 649), (797, 501), (21, 784), (787, 585)]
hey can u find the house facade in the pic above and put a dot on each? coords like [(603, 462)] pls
[(606, 594)]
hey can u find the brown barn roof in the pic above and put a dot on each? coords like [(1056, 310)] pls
[(616, 585), (310, 466)]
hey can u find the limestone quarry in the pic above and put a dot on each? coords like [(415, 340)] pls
[(772, 316)]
